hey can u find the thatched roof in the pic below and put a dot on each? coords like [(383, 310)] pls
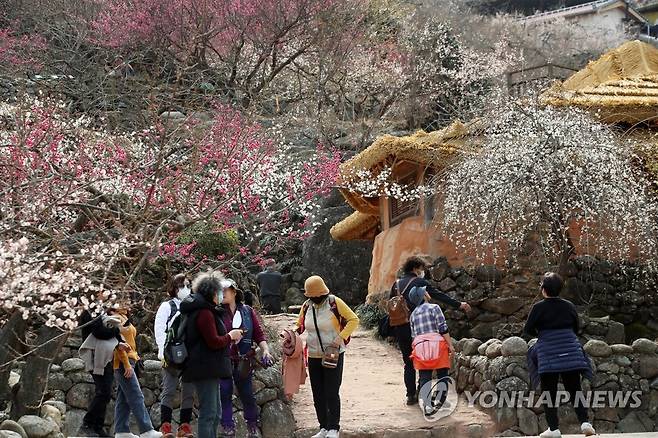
[(621, 86), (431, 149), (357, 226)]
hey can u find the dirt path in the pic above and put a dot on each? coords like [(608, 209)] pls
[(373, 397)]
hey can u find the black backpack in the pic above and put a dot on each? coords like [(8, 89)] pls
[(175, 351)]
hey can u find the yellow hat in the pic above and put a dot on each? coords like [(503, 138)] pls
[(315, 287)]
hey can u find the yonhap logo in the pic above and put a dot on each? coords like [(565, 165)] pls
[(438, 399)]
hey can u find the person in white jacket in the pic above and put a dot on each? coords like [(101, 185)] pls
[(178, 289)]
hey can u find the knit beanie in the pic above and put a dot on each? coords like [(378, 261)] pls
[(417, 295)]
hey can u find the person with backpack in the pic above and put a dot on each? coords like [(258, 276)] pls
[(130, 399), (178, 289), (557, 354), (206, 340), (328, 323), (238, 315), (431, 347), (399, 309)]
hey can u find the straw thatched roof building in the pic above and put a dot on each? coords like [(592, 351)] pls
[(620, 87), (418, 154)]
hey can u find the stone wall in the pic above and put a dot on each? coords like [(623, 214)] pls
[(500, 366), (70, 389), (612, 296)]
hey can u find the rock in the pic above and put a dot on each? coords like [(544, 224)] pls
[(644, 346), (149, 397), (470, 347), (61, 406), (52, 413), (14, 378), (59, 381), (9, 434), (80, 395), (172, 115), (527, 421), (616, 333), (277, 420), (485, 330), (512, 384), (636, 421), (271, 376), (266, 395), (466, 282), (440, 269), (505, 418), (80, 377), (152, 366), (607, 413), (597, 348), (608, 367), (344, 265), (294, 296), (621, 349), (37, 427), (447, 284), (504, 306), (55, 368), (14, 427), (488, 274), (72, 365), (514, 346), (482, 349), (622, 361), (647, 366), (73, 422), (494, 350)]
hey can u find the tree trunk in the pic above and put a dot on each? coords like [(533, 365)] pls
[(34, 379), (12, 338)]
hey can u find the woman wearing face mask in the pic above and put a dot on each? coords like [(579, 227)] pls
[(207, 340), (414, 276), (328, 322), (178, 289)]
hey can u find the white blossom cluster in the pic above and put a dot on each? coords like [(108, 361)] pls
[(547, 172), (373, 184)]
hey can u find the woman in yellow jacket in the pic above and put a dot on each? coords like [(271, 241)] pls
[(328, 322)]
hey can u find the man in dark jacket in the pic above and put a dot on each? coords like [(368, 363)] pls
[(94, 420), (414, 276), (207, 342), (269, 283)]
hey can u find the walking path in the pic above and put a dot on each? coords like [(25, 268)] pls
[(373, 397)]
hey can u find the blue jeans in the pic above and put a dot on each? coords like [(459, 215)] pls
[(130, 400), (209, 406)]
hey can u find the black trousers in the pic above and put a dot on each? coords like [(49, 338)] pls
[(403, 333), (571, 382), (95, 416), (272, 304), (441, 387), (325, 384)]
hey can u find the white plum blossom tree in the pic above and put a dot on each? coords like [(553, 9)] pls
[(548, 172)]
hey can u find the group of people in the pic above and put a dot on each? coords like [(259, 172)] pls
[(426, 345)]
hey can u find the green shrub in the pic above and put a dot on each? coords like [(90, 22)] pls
[(209, 243), (369, 315)]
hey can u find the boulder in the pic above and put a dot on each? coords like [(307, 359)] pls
[(482, 349), (72, 365), (59, 381), (13, 427), (527, 421), (9, 434), (494, 350), (447, 284), (616, 333), (597, 348), (80, 395), (622, 361), (440, 269), (636, 421), (466, 282), (512, 384), (37, 427), (621, 349), (344, 265), (294, 297), (514, 346), (647, 366), (271, 376), (505, 418), (644, 346), (470, 347), (277, 420), (488, 274), (58, 404), (73, 422), (504, 306), (608, 367), (80, 377), (485, 330), (266, 395), (52, 413)]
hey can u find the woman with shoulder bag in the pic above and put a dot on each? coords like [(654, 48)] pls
[(238, 315), (178, 289), (328, 322)]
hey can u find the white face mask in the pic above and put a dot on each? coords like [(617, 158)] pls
[(220, 296), (183, 293)]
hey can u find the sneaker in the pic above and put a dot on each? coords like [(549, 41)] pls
[(412, 400), (166, 430), (125, 435), (252, 431), (587, 429), (321, 434), (332, 434), (185, 431), (548, 433), (151, 434)]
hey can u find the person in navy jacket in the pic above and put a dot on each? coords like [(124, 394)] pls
[(557, 353)]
